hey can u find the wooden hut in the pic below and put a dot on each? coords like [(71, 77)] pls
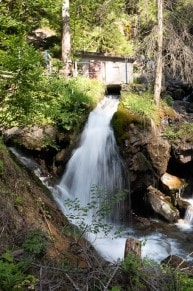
[(107, 68)]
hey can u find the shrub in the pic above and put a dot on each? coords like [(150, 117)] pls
[(36, 242), (12, 275)]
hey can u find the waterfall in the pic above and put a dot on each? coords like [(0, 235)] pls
[(95, 165), (189, 214), (187, 222), (101, 162)]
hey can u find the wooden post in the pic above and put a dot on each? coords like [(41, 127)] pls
[(132, 246)]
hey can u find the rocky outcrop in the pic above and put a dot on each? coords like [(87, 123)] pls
[(172, 183), (173, 186), (32, 137), (162, 205), (183, 151), (43, 142)]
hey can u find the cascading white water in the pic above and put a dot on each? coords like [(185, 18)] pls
[(96, 161), (189, 215), (187, 222)]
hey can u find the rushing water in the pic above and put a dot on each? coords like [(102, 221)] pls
[(95, 170), (96, 161)]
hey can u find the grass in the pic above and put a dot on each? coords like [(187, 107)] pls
[(180, 131)]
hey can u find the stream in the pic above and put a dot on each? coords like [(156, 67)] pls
[(93, 178)]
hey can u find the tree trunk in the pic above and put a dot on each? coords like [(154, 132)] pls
[(66, 41), (158, 75)]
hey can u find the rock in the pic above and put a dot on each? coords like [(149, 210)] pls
[(175, 262), (60, 157), (140, 163), (172, 182), (159, 152), (183, 152), (161, 205), (11, 133), (31, 137), (178, 94)]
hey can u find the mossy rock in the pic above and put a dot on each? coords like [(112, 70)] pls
[(121, 121)]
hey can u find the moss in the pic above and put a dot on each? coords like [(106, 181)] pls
[(121, 121)]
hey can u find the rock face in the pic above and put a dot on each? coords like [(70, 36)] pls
[(43, 143), (153, 160), (146, 155), (32, 137)]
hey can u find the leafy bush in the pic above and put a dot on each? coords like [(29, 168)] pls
[(182, 131), (36, 242), (51, 100), (12, 275), (98, 210)]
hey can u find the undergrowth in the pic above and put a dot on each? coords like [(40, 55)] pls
[(142, 106), (179, 131)]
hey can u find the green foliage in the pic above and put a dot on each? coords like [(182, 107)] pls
[(95, 24), (93, 217), (133, 268), (21, 16), (115, 288), (54, 100), (185, 282), (180, 131), (141, 105), (169, 100), (36, 242), (13, 276)]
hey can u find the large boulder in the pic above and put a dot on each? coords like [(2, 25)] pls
[(173, 186), (172, 183), (31, 137), (162, 205)]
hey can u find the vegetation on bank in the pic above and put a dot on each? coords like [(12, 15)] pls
[(182, 132), (139, 109), (49, 99)]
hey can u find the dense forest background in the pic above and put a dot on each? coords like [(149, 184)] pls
[(117, 27)]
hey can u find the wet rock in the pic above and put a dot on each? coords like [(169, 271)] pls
[(172, 183), (162, 205), (175, 262)]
